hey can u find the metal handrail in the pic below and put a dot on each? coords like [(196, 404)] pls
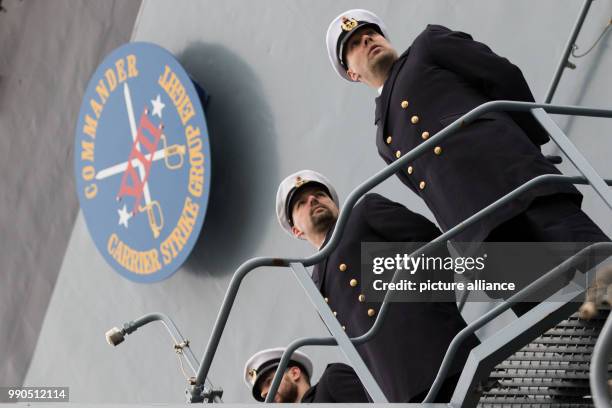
[(351, 200), (171, 327), (181, 345), (598, 372), (564, 62)]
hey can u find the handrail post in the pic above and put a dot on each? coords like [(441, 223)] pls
[(574, 156), (564, 61), (340, 336), (171, 327), (598, 371)]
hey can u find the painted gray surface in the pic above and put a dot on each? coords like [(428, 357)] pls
[(47, 53), (276, 106)]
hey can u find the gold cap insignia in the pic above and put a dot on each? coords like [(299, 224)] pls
[(253, 373), (299, 182), (348, 24)]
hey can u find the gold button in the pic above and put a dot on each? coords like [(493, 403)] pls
[(343, 327), (342, 267), (404, 104), (389, 139), (437, 150), (422, 185), (425, 135), (371, 312), (326, 300), (398, 154), (414, 119), (335, 313), (353, 282), (410, 170), (361, 298)]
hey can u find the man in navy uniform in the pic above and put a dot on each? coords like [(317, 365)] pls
[(406, 354), (338, 383), (440, 77)]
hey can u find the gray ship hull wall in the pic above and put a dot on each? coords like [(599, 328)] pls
[(48, 50)]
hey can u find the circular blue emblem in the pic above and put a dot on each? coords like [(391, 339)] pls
[(142, 162)]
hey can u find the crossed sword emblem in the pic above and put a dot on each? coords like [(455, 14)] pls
[(152, 207)]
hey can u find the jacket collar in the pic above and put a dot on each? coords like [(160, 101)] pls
[(318, 272), (382, 101), (309, 395)]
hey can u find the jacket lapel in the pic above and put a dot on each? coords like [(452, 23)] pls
[(318, 272), (382, 102)]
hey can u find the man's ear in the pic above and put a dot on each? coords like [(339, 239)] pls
[(297, 232), (353, 75), (295, 373)]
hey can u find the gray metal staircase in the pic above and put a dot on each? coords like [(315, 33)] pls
[(551, 371)]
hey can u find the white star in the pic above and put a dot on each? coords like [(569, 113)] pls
[(158, 105), (124, 216)]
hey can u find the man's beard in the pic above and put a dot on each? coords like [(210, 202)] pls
[(289, 393), (322, 220), (381, 65)]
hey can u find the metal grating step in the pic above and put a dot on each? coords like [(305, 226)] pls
[(550, 357), (532, 403), (568, 340), (537, 400), (543, 391), (545, 365), (582, 375), (596, 322), (544, 382), (574, 331), (552, 371), (554, 348)]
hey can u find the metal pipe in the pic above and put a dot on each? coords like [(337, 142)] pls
[(172, 329), (463, 300), (337, 332), (568, 48), (574, 156), (352, 199), (598, 372), (514, 106), (226, 306)]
